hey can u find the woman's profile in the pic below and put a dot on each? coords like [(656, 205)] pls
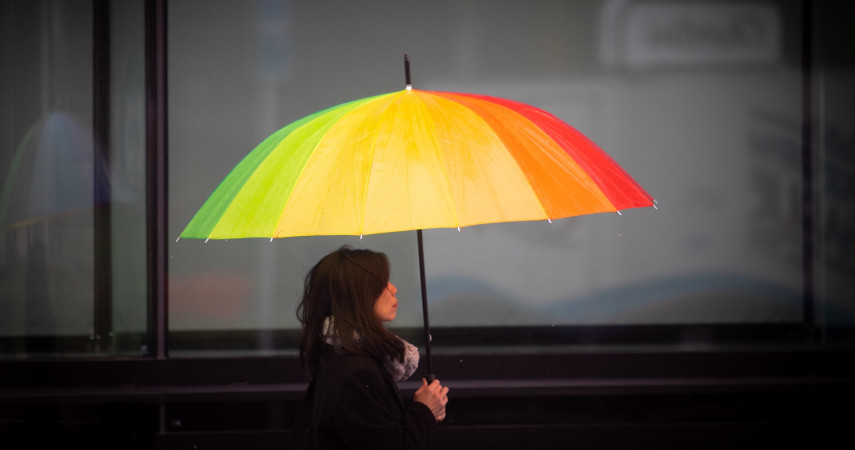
[(355, 362)]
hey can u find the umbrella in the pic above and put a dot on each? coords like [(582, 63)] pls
[(413, 160)]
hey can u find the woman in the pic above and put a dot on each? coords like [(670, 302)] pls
[(355, 362)]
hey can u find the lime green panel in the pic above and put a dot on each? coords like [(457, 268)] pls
[(213, 210)]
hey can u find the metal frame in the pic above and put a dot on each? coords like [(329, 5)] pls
[(156, 174), (102, 223)]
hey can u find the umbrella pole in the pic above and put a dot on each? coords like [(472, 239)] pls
[(430, 375)]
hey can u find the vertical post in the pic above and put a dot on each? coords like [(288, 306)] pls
[(156, 170), (101, 186), (808, 299)]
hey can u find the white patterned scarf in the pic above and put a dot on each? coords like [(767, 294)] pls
[(400, 370)]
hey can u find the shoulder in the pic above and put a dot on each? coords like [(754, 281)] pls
[(347, 365), (347, 379)]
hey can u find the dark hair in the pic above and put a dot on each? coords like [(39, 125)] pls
[(344, 285)]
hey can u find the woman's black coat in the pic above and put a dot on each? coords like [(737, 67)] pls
[(353, 403)]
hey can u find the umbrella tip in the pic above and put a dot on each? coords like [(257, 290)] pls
[(407, 72), (178, 239)]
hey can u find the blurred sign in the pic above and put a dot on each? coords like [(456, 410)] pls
[(649, 34)]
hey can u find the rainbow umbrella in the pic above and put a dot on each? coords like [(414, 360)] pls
[(412, 160)]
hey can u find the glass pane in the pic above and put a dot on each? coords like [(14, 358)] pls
[(701, 102), (128, 172), (62, 191), (834, 95)]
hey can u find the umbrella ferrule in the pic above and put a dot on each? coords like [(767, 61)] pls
[(407, 79)]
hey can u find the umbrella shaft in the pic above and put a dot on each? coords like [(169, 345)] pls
[(430, 375), (407, 70)]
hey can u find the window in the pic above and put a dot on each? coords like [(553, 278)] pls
[(73, 202), (736, 117), (703, 103)]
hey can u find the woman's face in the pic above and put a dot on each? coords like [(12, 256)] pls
[(386, 305)]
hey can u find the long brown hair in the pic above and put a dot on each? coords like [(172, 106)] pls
[(344, 285)]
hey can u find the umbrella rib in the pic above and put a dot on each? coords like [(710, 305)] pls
[(439, 155), (318, 144), (367, 184), (528, 179), (530, 184), (298, 177), (371, 160), (287, 201), (483, 114), (477, 161)]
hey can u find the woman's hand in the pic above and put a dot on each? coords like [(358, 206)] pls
[(434, 396)]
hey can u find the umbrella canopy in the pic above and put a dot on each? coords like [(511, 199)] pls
[(412, 160)]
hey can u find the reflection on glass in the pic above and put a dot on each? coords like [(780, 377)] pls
[(62, 197), (700, 102)]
